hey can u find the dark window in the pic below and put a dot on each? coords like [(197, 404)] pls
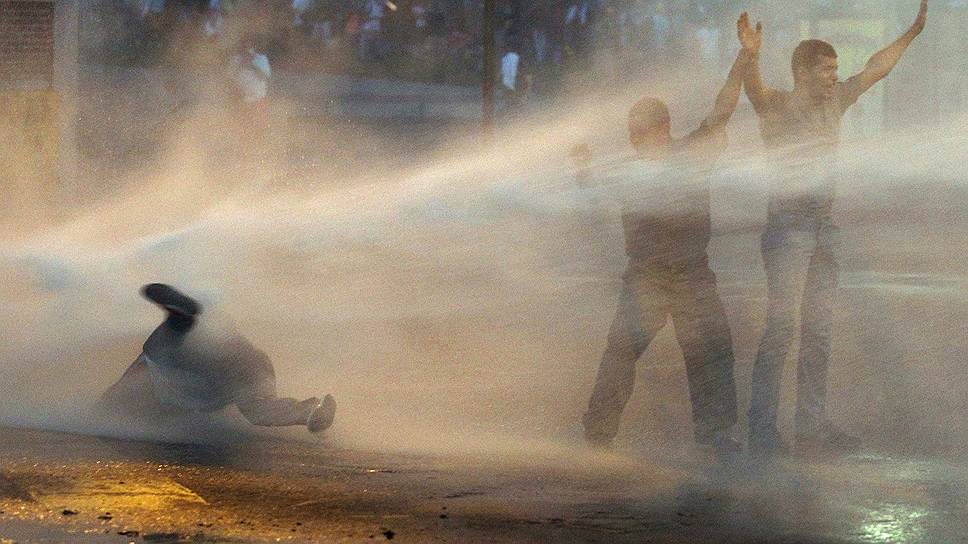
[(26, 42)]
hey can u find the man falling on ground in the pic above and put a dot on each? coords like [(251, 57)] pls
[(189, 366)]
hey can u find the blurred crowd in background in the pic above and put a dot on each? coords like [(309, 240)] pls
[(540, 42)]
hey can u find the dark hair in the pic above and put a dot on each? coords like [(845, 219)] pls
[(649, 112), (808, 53)]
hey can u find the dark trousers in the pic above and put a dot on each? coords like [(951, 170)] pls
[(138, 394), (650, 296)]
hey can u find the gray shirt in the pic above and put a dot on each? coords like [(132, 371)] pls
[(666, 218)]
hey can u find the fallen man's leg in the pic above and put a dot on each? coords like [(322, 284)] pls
[(282, 412)]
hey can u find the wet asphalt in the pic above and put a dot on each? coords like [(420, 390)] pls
[(57, 487)]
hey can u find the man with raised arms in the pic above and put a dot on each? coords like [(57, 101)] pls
[(667, 229), (802, 130)]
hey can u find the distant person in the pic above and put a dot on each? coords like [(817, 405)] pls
[(186, 366), (252, 75), (321, 17), (420, 17), (371, 30), (667, 231), (802, 129), (579, 20), (510, 64)]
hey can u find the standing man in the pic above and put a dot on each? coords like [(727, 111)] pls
[(667, 230), (802, 130), (252, 74)]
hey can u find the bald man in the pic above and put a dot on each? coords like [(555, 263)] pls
[(667, 230)]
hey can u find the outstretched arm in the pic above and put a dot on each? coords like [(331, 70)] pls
[(759, 94), (886, 59)]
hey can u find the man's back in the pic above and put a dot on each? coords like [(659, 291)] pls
[(667, 222)]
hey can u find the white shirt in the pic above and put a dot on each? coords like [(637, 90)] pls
[(253, 77), (509, 69)]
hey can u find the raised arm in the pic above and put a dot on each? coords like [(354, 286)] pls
[(729, 95), (759, 94), (886, 59)]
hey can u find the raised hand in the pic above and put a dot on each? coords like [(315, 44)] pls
[(918, 25), (750, 39)]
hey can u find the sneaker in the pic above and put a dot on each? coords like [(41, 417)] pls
[(171, 300), (827, 439), (322, 417)]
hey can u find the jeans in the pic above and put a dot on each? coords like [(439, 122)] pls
[(801, 276), (649, 297)]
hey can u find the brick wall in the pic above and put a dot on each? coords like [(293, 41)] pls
[(26, 42)]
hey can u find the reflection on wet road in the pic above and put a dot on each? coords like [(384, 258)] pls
[(57, 487)]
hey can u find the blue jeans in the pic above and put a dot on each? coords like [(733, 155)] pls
[(801, 276)]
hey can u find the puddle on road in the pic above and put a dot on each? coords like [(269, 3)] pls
[(894, 524), (94, 494), (156, 495), (906, 284)]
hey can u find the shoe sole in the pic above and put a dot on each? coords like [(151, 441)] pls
[(324, 415), (170, 299)]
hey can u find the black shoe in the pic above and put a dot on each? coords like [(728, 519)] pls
[(598, 440), (827, 439), (323, 416), (171, 300)]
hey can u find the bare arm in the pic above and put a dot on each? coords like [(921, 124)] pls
[(759, 94), (886, 59), (729, 95)]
